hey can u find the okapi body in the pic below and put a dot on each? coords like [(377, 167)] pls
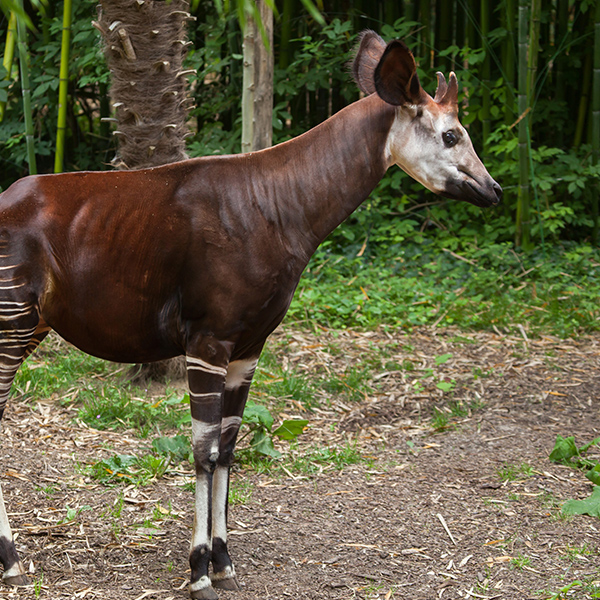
[(201, 258)]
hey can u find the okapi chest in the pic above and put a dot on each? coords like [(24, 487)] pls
[(201, 258)]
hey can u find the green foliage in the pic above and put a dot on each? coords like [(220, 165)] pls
[(113, 406), (566, 452), (451, 282), (512, 472), (177, 448), (589, 506), (259, 422), (576, 587), (88, 143), (126, 469)]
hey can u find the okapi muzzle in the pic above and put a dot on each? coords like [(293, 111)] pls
[(201, 258)]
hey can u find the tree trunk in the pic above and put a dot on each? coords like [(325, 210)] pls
[(257, 95), (145, 44)]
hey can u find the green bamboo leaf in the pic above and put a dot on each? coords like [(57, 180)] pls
[(313, 11)]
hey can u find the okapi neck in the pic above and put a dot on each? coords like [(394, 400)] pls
[(316, 180)]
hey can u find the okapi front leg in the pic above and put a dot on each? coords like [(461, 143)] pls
[(237, 385), (206, 381)]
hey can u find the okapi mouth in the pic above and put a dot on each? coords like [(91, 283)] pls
[(472, 191)]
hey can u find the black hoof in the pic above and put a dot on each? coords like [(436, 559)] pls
[(206, 593), (17, 580), (229, 584)]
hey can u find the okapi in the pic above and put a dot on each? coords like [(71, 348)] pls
[(201, 258)]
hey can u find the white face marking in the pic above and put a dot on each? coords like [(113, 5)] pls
[(198, 364), (240, 372), (416, 145)]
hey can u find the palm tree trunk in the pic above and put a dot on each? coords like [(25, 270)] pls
[(148, 82), (63, 88)]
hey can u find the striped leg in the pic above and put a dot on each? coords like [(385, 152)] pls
[(206, 377), (237, 385), (20, 333)]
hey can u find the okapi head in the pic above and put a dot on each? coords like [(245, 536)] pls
[(426, 140)]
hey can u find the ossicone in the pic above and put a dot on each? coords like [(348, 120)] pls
[(446, 93)]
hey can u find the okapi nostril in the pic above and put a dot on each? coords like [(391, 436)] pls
[(498, 191)]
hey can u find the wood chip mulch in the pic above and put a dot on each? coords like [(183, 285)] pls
[(424, 514)]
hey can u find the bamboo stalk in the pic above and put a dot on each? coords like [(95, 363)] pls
[(426, 32), (444, 29), (26, 92), (9, 52), (562, 29), (523, 224), (534, 48), (485, 75), (61, 127), (508, 61), (596, 121), (584, 98), (286, 33)]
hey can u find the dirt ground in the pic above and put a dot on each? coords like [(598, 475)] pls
[(426, 514)]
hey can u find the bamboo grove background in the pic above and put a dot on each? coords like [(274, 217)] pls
[(530, 92)]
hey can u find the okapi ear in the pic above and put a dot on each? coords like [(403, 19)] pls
[(396, 79), (369, 51)]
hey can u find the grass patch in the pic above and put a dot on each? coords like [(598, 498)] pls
[(305, 462), (513, 472), (420, 284)]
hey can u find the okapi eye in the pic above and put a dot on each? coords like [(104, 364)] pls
[(449, 138)]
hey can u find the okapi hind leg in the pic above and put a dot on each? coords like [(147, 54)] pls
[(237, 386), (22, 333)]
